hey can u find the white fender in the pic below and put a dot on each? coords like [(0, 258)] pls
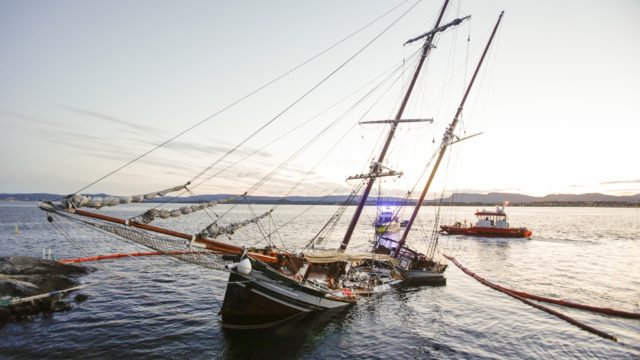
[(243, 267)]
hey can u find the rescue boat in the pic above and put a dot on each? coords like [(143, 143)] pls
[(489, 224)]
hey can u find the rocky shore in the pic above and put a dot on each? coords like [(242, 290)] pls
[(22, 277)]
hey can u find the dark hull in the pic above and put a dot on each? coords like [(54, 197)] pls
[(422, 278), (263, 299), (487, 231)]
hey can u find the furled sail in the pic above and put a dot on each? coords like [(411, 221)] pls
[(214, 230), (77, 201), (153, 214)]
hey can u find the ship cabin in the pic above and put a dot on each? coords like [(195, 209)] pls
[(493, 219)]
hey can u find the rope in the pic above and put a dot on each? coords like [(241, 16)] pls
[(246, 96), (394, 69), (518, 295), (313, 88)]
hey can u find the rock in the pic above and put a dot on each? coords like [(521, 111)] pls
[(5, 313), (61, 306), (24, 265), (81, 298), (22, 277), (15, 287)]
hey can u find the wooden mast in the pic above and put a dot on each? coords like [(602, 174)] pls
[(446, 139), (375, 167)]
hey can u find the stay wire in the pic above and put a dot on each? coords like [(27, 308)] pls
[(304, 123), (307, 145), (313, 88), (340, 140), (256, 151), (394, 68), (246, 96)]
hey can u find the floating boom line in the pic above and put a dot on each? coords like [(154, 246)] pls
[(522, 297)]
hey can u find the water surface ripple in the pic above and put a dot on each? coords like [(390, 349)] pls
[(158, 308)]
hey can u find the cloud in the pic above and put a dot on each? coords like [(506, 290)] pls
[(29, 118), (97, 115), (175, 144), (637, 181), (209, 150)]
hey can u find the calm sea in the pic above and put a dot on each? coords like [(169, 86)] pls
[(155, 307)]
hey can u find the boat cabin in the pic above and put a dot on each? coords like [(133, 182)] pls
[(495, 219)]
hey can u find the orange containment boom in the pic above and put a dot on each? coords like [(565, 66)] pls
[(522, 296), (133, 254)]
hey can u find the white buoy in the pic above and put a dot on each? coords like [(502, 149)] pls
[(243, 267)]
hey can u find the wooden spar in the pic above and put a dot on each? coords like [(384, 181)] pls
[(392, 121), (445, 141), (376, 166), (465, 138), (208, 243)]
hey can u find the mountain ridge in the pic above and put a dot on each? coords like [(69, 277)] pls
[(490, 198)]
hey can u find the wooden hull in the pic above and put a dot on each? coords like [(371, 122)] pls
[(422, 278), (487, 231), (264, 298)]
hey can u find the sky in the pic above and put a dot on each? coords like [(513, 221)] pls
[(87, 86)]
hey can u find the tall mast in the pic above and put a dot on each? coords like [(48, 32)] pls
[(446, 139), (375, 167)]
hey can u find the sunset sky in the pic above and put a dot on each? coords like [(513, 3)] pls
[(88, 85)]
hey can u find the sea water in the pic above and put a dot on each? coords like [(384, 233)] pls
[(156, 307)]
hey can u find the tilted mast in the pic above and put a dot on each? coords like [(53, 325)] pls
[(376, 167), (446, 139)]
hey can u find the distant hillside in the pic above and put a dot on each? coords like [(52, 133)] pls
[(29, 197), (493, 198), (498, 198)]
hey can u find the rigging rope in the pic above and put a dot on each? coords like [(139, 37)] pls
[(394, 69), (313, 88), (267, 177), (246, 96)]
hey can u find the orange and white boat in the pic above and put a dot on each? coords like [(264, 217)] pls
[(489, 224)]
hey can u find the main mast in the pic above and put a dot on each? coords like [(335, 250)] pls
[(446, 139), (377, 166)]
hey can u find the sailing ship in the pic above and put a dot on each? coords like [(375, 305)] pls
[(269, 285), (489, 224), (416, 268)]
